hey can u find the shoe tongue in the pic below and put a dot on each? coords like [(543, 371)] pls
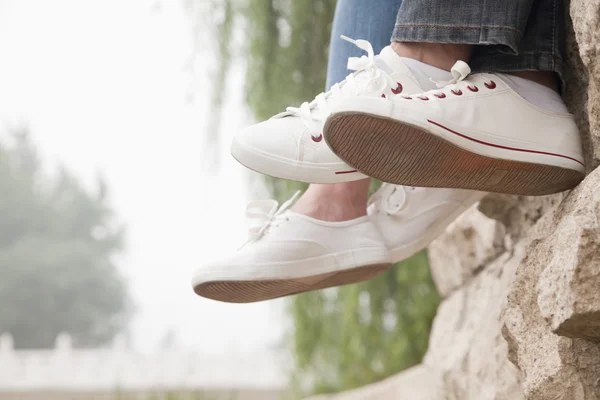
[(385, 63), (391, 62), (387, 60)]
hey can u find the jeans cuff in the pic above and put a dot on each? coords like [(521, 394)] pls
[(500, 62), (506, 37)]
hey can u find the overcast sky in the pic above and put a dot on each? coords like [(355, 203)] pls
[(103, 87)]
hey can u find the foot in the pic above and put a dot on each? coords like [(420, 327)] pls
[(410, 218), (474, 133), (290, 253), (290, 145), (335, 202)]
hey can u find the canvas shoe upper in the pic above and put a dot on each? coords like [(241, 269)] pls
[(288, 253), (410, 218), (290, 145), (475, 132)]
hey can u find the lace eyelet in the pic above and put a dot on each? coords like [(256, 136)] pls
[(407, 97), (424, 98), (440, 95), (458, 92), (398, 88), (473, 88), (317, 138), (383, 95), (491, 85)]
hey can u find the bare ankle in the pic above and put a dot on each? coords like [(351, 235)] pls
[(545, 78), (440, 55), (335, 202)]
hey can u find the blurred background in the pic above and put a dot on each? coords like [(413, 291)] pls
[(116, 182)]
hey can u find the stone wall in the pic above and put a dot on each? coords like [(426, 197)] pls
[(520, 278)]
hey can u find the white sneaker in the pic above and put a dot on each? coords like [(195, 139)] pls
[(410, 218), (290, 145), (290, 253), (474, 133)]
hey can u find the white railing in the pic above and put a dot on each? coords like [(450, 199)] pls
[(66, 368)]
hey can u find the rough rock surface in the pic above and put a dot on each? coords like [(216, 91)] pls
[(520, 277), (583, 74), (552, 318), (468, 245), (568, 293), (400, 387), (466, 340)]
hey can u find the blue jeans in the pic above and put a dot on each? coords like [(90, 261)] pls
[(372, 20), (509, 35)]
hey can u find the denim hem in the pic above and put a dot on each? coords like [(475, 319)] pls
[(531, 61), (501, 56), (507, 37)]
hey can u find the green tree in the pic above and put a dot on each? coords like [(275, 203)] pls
[(357, 334), (283, 46), (57, 244)]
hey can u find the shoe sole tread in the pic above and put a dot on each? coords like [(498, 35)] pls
[(403, 154)]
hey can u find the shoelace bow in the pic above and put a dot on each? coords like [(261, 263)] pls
[(460, 71), (391, 198), (265, 213), (379, 81)]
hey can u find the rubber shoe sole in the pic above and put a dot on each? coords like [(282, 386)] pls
[(403, 154), (259, 290)]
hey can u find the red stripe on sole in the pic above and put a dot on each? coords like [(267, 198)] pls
[(346, 172), (502, 147)]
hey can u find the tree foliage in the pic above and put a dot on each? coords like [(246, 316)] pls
[(57, 243), (357, 334), (283, 44), (287, 52)]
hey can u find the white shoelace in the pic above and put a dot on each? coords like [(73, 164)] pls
[(378, 81), (460, 72), (266, 213)]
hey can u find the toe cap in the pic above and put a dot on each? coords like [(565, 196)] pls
[(277, 136)]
